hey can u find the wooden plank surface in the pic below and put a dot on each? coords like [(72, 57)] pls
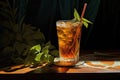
[(58, 69)]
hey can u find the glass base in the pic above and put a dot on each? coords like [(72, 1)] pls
[(60, 62)]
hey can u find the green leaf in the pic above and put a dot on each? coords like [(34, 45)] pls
[(38, 35), (7, 38), (38, 56), (21, 21), (85, 20), (27, 30), (30, 58), (27, 38), (32, 36), (8, 49), (5, 10), (54, 53), (6, 24), (14, 1), (36, 47), (19, 37), (45, 49), (8, 3), (15, 28), (76, 15), (26, 51), (85, 24), (31, 42), (5, 15), (50, 45), (19, 47), (3, 4), (50, 59), (41, 57), (19, 60)]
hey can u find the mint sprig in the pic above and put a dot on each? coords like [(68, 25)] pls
[(85, 22), (38, 54)]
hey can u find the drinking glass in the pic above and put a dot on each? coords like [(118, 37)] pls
[(69, 36)]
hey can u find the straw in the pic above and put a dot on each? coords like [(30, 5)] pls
[(83, 12)]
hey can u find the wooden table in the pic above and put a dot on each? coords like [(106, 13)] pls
[(53, 70)]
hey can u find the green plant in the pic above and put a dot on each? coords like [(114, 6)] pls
[(40, 54), (20, 39)]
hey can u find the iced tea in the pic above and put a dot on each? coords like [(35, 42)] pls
[(69, 34)]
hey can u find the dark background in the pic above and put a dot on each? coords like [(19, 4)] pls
[(44, 15), (103, 34), (106, 30)]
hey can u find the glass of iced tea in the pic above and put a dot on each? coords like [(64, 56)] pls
[(69, 36)]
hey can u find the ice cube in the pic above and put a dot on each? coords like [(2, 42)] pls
[(60, 23)]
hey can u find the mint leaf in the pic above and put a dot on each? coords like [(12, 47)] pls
[(30, 58), (77, 18), (54, 53), (50, 59), (85, 20), (38, 56), (36, 47), (50, 45), (76, 15), (45, 50), (85, 24)]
